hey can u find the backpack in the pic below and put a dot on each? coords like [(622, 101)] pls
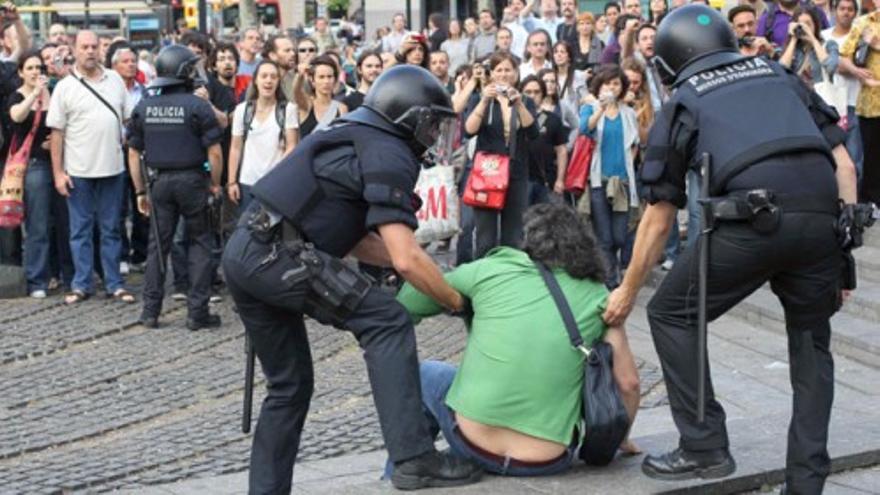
[(250, 109)]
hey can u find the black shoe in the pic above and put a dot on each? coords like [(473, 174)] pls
[(682, 465), (210, 321), (434, 469), (149, 321)]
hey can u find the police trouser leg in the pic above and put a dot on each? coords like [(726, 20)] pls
[(164, 211), (808, 290), (192, 196), (270, 314), (385, 332), (812, 382), (735, 271)]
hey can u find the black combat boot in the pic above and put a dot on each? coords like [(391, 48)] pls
[(434, 469), (210, 321), (681, 464)]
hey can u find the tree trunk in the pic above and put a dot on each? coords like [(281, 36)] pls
[(247, 14)]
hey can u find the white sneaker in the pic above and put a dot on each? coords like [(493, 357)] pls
[(215, 298), (667, 265), (178, 296), (124, 268), (38, 294)]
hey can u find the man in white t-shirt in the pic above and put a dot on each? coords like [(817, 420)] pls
[(845, 12), (511, 21), (86, 114)]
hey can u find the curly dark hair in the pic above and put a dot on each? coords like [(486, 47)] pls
[(560, 238)]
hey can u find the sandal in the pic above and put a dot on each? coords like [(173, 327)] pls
[(75, 296), (123, 295)]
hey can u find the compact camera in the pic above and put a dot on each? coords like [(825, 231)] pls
[(799, 32)]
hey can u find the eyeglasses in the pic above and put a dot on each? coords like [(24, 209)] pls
[(307, 50)]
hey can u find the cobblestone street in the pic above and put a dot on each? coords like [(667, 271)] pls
[(92, 401)]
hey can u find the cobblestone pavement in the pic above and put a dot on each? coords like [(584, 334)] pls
[(91, 401)]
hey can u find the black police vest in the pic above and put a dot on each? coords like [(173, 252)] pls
[(746, 112), (171, 140)]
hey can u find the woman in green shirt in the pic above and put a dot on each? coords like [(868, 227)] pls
[(514, 403)]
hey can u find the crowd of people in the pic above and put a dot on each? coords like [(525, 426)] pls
[(563, 73), (538, 86)]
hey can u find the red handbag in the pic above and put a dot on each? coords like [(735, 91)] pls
[(487, 185), (12, 185), (578, 170)]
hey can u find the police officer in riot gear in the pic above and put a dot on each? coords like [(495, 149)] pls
[(177, 133), (345, 190), (778, 170)]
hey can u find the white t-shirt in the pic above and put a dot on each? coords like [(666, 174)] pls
[(92, 134), (851, 84), (263, 148)]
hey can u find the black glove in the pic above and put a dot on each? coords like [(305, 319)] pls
[(851, 223), (466, 312)]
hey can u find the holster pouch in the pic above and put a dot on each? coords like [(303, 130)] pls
[(758, 207), (336, 289)]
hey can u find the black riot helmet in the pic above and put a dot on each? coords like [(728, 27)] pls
[(692, 39), (175, 65), (409, 102)]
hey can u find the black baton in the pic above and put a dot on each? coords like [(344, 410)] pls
[(702, 323), (248, 384), (154, 222)]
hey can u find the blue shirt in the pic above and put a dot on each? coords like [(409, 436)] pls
[(610, 144)]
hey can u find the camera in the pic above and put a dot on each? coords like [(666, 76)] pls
[(799, 32), (502, 90), (746, 41)]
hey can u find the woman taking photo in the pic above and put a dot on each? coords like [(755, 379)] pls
[(614, 128), (490, 121), (456, 46), (589, 47), (30, 102), (805, 53), (566, 109), (254, 152), (321, 108), (637, 96)]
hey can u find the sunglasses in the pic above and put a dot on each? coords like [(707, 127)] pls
[(307, 50)]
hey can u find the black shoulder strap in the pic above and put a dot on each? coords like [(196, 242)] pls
[(564, 309), (514, 128), (99, 97), (280, 119)]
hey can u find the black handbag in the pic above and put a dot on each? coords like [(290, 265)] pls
[(860, 57), (606, 421)]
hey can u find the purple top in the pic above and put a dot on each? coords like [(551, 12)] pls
[(780, 25), (611, 54)]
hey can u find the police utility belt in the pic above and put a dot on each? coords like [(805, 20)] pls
[(762, 208), (335, 289)]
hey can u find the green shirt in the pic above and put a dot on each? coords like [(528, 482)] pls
[(519, 370)]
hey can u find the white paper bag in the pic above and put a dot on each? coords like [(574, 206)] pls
[(438, 217)]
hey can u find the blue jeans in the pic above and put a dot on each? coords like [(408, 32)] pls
[(611, 228), (854, 141), (538, 193), (38, 189), (95, 201), (436, 379), (464, 248)]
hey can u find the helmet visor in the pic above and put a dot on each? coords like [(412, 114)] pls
[(437, 134)]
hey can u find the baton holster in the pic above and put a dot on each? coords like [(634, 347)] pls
[(758, 207)]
